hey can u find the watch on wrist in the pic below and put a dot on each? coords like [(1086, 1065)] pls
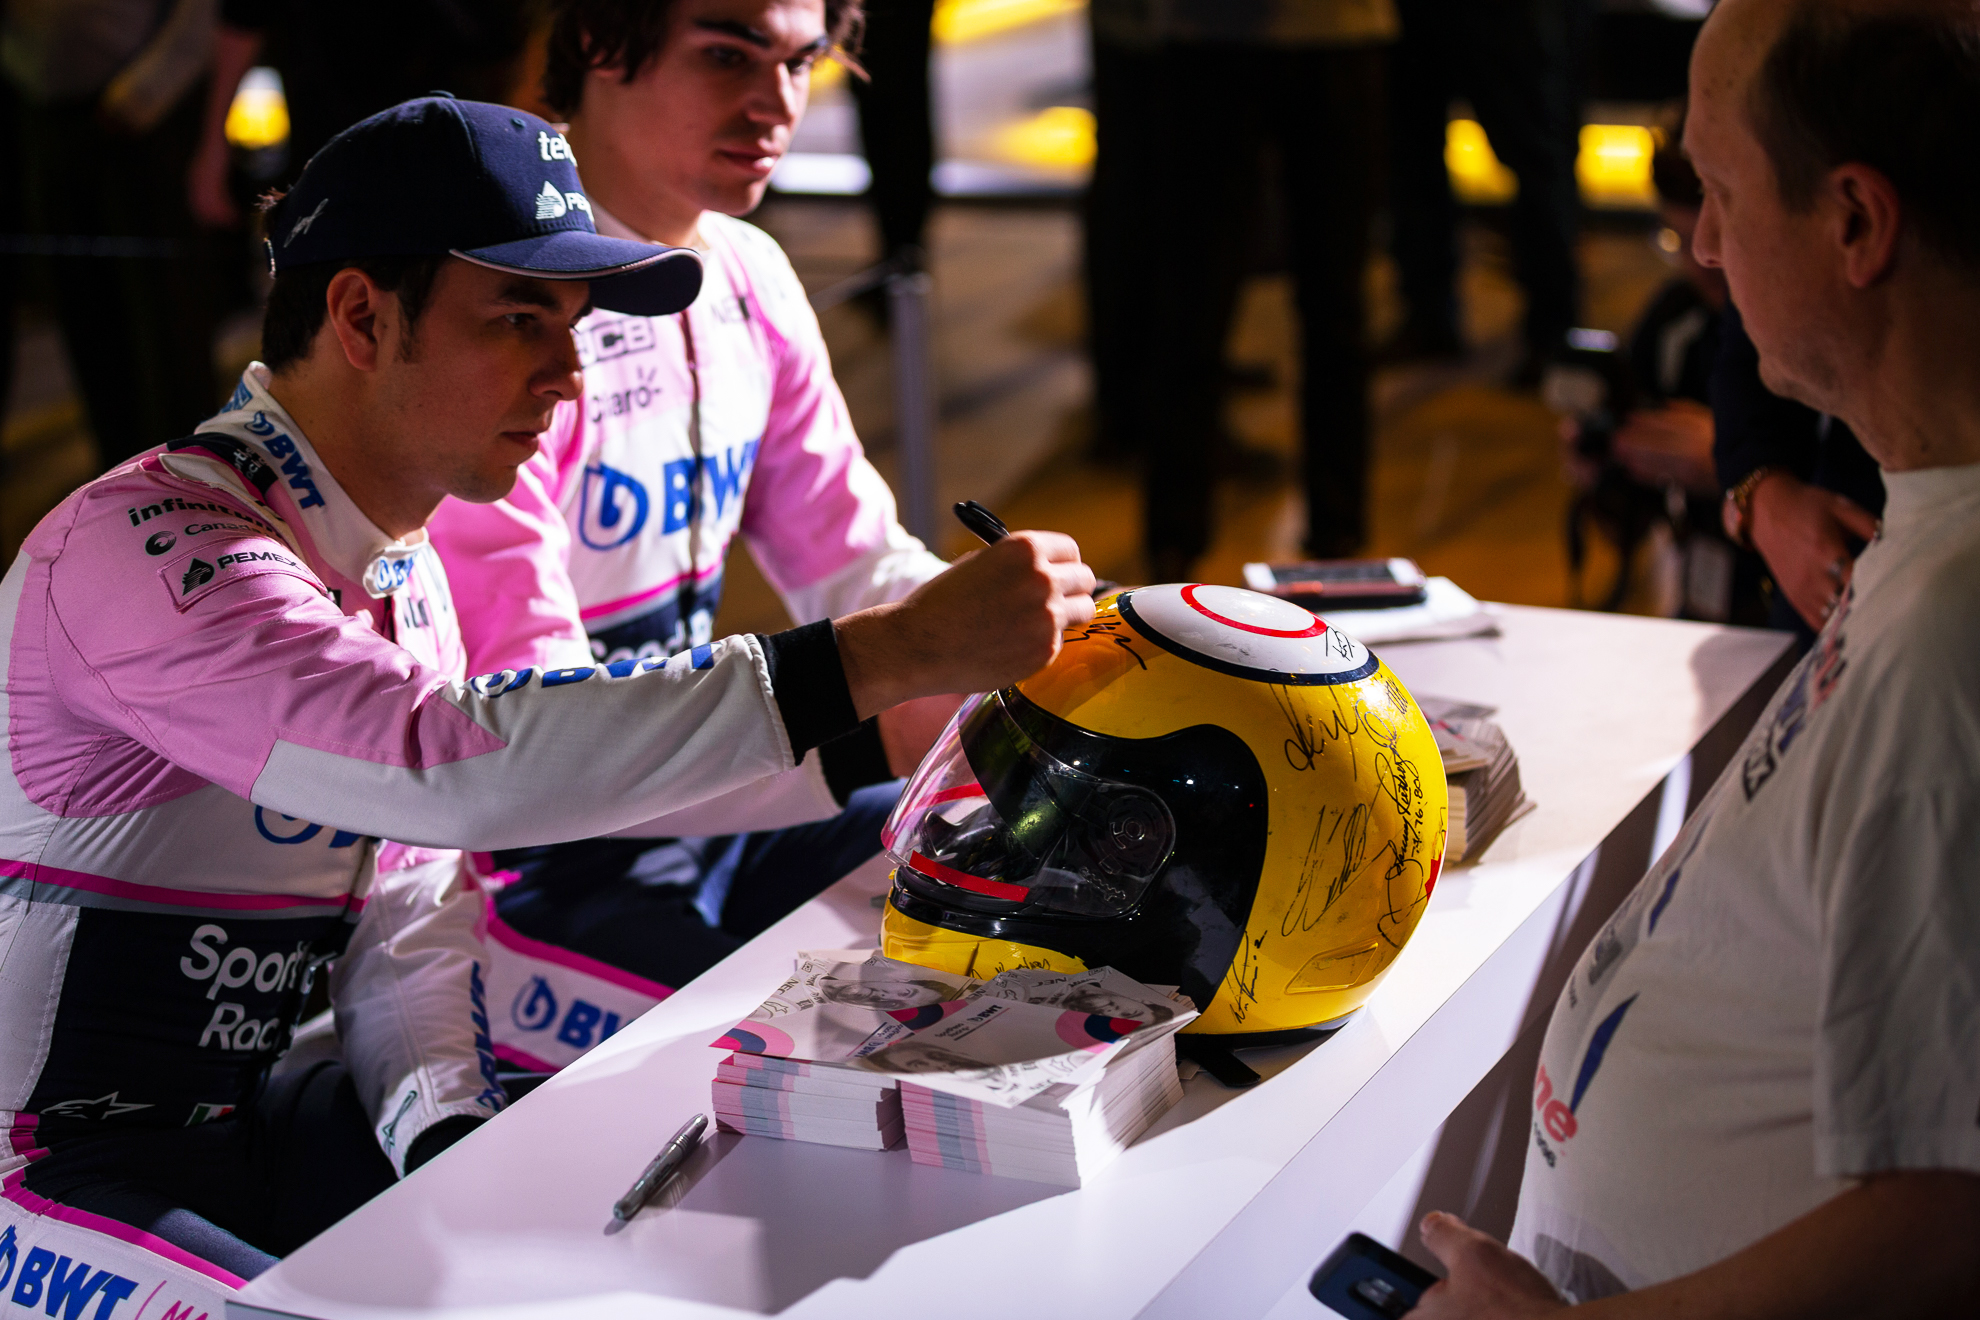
[(1737, 511)]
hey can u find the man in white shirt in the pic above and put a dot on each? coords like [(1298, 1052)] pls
[(1759, 1094)]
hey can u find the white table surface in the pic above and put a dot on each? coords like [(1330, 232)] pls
[(1219, 1211)]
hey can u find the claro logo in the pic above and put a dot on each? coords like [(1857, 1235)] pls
[(230, 1028)]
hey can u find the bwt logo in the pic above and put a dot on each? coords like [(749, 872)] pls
[(614, 509), (616, 505), (584, 1024), (69, 1286), (293, 467), (277, 828)]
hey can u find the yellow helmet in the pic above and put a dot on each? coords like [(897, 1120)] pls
[(1209, 787)]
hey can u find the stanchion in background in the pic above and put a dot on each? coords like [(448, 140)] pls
[(910, 330)]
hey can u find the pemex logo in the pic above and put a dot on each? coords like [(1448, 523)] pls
[(198, 574), (550, 203)]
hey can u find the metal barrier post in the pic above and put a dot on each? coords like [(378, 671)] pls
[(914, 400)]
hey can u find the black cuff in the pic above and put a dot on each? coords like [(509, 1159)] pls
[(854, 761), (438, 1137), (809, 682)]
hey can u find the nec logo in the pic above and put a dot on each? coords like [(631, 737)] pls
[(68, 1285), (584, 1024)]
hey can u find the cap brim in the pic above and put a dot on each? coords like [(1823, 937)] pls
[(640, 279)]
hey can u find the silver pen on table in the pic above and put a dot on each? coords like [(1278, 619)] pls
[(663, 1167)]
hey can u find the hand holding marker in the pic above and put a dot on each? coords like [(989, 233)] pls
[(986, 526)]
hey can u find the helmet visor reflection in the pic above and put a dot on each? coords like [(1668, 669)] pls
[(994, 822)]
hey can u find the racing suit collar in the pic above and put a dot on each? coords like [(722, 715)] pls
[(612, 227), (346, 540)]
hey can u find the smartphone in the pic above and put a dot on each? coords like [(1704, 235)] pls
[(1345, 584), (1364, 1280)]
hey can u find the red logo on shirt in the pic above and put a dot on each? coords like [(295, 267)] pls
[(1554, 1115)]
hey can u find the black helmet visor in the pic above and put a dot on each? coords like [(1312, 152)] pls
[(1001, 825)]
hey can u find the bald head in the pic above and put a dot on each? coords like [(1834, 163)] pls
[(1892, 84), (1842, 194)]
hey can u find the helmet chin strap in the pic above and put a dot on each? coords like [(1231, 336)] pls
[(1217, 1056)]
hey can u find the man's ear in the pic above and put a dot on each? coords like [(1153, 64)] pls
[(357, 314), (1869, 218)]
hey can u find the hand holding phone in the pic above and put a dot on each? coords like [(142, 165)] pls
[(1364, 1280)]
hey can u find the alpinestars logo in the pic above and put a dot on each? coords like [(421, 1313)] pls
[(554, 205), (103, 1107), (198, 574)]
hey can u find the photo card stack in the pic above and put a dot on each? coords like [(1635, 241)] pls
[(1064, 1135), (788, 1074), (1482, 770), (826, 1103), (1038, 1075)]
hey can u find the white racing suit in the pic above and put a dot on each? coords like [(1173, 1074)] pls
[(223, 685)]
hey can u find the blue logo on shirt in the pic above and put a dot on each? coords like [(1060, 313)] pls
[(615, 508)]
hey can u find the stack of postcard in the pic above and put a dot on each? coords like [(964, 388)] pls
[(788, 1074), (1482, 770), (1033, 1074), (1065, 1134), (823, 1102), (1038, 1075)]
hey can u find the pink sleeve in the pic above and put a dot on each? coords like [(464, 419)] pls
[(815, 503), (212, 656), (509, 565), (229, 660)]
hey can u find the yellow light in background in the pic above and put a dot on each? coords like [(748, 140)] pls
[(969, 20), (1058, 138), (1613, 167), (259, 116), (1476, 174), (827, 73)]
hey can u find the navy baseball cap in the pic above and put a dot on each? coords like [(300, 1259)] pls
[(485, 183)]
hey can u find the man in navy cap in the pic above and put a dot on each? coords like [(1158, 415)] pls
[(233, 667)]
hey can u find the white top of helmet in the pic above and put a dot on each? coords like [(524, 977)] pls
[(1245, 633)]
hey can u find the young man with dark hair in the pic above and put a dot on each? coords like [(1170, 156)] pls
[(1759, 1095), (721, 421), (232, 667)]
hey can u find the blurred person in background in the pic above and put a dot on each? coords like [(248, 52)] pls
[(102, 117), (897, 125), (1799, 488), (336, 70), (1651, 467), (1513, 61), (1190, 99)]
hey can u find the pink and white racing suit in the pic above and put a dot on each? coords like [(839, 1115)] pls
[(722, 421), (223, 685)]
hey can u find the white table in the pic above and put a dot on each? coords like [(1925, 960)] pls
[(1221, 1210)]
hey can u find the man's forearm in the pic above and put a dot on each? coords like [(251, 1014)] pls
[(1899, 1245)]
